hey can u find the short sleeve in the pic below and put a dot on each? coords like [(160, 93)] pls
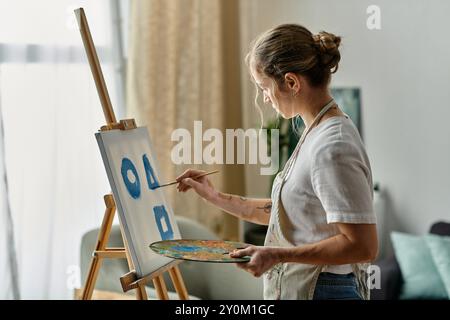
[(342, 180)]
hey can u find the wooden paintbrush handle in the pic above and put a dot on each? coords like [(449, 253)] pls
[(194, 178)]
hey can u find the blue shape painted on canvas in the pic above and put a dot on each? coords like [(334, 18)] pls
[(151, 177), (163, 223), (134, 188)]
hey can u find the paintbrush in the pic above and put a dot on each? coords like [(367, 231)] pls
[(194, 177)]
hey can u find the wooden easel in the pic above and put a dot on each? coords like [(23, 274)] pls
[(130, 280)]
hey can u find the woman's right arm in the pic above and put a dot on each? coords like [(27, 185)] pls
[(252, 210)]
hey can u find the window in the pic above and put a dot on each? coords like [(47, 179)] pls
[(51, 111)]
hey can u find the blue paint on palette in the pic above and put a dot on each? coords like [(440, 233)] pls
[(151, 178), (134, 188), (199, 250), (160, 215), (187, 248)]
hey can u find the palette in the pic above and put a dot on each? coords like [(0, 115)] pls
[(199, 250)]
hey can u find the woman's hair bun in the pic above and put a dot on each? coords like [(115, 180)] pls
[(328, 47)]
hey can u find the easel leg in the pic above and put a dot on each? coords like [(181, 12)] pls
[(91, 278), (160, 287), (141, 294), (102, 241), (178, 283)]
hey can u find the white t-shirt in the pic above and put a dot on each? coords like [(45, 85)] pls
[(330, 181)]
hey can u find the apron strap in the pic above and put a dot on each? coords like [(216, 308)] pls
[(289, 164)]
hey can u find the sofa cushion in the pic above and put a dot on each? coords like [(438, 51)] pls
[(441, 228), (421, 279), (440, 251)]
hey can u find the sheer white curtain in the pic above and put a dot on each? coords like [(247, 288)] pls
[(8, 257), (51, 111), (184, 58)]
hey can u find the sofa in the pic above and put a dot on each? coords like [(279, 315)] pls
[(391, 276), (210, 281)]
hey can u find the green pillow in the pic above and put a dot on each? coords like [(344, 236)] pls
[(421, 279), (440, 251)]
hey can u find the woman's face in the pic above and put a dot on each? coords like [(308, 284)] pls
[(281, 101)]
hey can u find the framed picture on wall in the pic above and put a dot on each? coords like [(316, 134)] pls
[(349, 100)]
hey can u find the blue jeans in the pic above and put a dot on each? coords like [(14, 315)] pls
[(331, 286)]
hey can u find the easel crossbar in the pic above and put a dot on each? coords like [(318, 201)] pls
[(112, 254)]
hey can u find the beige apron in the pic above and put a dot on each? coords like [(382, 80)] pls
[(296, 281)]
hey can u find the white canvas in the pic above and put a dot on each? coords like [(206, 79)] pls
[(144, 213)]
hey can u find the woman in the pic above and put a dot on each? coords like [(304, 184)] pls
[(322, 230)]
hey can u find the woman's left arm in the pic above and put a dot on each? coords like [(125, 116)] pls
[(356, 243)]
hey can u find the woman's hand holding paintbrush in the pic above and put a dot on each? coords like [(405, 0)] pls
[(197, 180)]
